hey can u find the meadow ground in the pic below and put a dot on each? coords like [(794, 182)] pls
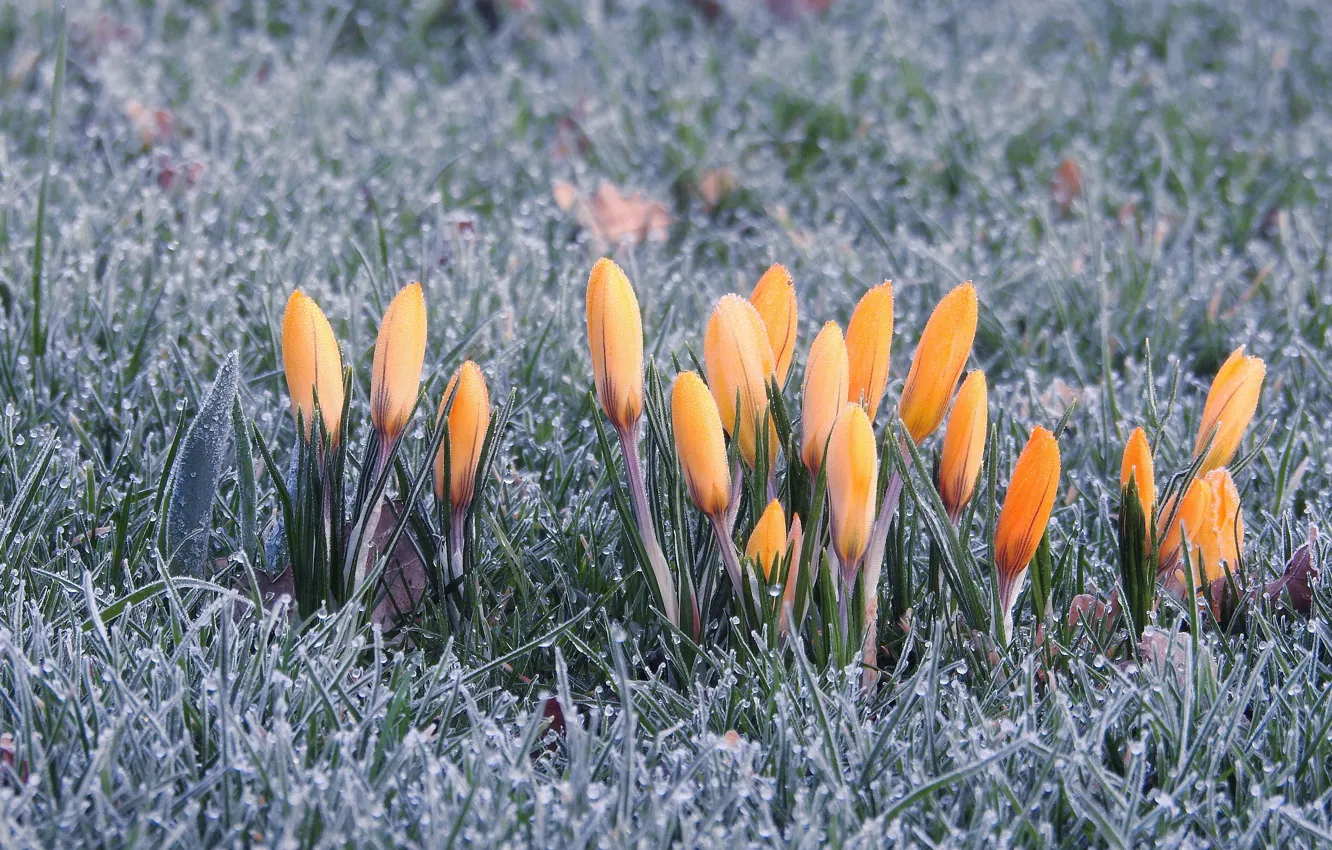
[(1136, 188)]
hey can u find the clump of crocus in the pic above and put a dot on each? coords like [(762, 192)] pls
[(937, 365), (774, 298), (823, 394), (869, 344), (395, 380), (739, 363), (701, 448), (1024, 516), (1209, 517), (615, 340), (1230, 406), (313, 363), (468, 419), (964, 445)]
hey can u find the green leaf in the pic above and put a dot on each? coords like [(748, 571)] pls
[(197, 470)]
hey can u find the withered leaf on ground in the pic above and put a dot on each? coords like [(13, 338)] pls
[(611, 217)]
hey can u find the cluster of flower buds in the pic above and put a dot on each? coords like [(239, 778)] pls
[(748, 351), (319, 390)]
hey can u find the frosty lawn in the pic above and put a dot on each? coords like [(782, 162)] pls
[(1135, 189)]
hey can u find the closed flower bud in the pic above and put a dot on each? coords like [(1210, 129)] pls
[(1211, 520), (738, 357), (940, 357), (853, 477), (1230, 405), (468, 420), (823, 394), (1137, 464), (313, 365), (869, 345), (767, 542), (1184, 516), (395, 380), (615, 338), (1026, 512), (699, 444), (964, 444), (775, 299)]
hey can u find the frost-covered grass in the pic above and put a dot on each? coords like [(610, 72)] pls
[(347, 149)]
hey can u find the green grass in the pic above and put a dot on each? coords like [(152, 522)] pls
[(347, 149)]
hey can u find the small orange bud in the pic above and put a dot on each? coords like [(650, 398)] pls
[(823, 394), (699, 444), (615, 337), (395, 380), (468, 420), (1026, 512), (313, 364), (940, 357), (869, 346), (853, 477), (775, 299), (1137, 463), (964, 444), (1230, 406), (767, 542), (738, 358)]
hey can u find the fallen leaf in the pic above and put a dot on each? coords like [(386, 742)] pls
[(22, 65), (404, 577), (1280, 58), (612, 217), (152, 125), (715, 185), (565, 194), (787, 10), (1066, 185), (167, 174), (90, 41)]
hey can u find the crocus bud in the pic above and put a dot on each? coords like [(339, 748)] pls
[(313, 364), (395, 380), (823, 394), (468, 420), (738, 357), (775, 299), (1227, 525), (1230, 405), (853, 476), (1211, 520), (1026, 511), (1187, 515), (615, 337), (869, 345), (1137, 464), (767, 542), (699, 444), (940, 356), (964, 444)]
